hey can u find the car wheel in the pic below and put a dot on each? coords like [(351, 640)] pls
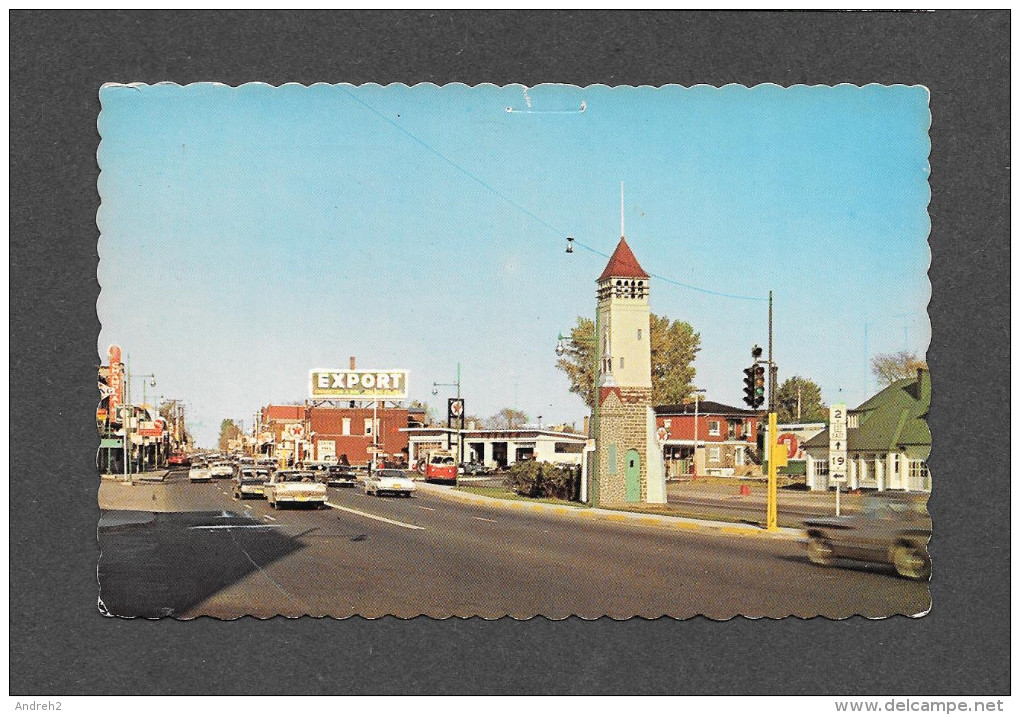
[(912, 562), (820, 551)]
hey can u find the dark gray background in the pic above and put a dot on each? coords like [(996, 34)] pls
[(60, 644)]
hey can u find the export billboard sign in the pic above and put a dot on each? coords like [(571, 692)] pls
[(358, 384)]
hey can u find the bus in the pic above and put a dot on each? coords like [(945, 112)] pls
[(439, 465)]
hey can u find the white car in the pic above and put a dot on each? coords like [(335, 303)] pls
[(221, 470), (199, 474), (293, 486), (392, 481)]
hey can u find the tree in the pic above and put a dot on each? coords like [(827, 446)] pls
[(674, 345), (890, 367), (419, 405), (228, 431), (800, 400), (507, 418)]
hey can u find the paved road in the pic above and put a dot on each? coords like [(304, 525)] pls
[(206, 554)]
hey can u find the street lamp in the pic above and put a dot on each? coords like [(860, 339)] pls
[(435, 391), (694, 456)]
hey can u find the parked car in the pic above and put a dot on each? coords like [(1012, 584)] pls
[(198, 473), (891, 528), (474, 469), (179, 460), (391, 481), (294, 486), (251, 483)]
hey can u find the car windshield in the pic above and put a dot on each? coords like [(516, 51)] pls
[(442, 460), (297, 477)]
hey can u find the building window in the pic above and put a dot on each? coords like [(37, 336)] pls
[(713, 428), (732, 430), (738, 456), (347, 427), (713, 454), (918, 470), (639, 333), (368, 425), (568, 447), (822, 467), (852, 421), (612, 458), (667, 423), (621, 363)]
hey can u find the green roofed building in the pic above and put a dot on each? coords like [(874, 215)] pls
[(888, 441)]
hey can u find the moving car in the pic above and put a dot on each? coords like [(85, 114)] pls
[(251, 483), (179, 460), (338, 475), (392, 481), (891, 528), (221, 469), (294, 486), (198, 473)]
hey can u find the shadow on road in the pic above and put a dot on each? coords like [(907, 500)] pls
[(154, 565)]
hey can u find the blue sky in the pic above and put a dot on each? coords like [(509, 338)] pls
[(250, 234)]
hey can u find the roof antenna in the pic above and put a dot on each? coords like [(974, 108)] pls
[(622, 234)]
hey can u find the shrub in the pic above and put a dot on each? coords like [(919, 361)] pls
[(538, 480)]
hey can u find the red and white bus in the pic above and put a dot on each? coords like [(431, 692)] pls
[(439, 465)]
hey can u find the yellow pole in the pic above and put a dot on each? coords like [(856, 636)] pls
[(771, 515)]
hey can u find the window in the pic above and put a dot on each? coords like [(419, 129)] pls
[(368, 425), (738, 456), (621, 363), (822, 467), (568, 447), (852, 421), (612, 458), (732, 430), (713, 454), (667, 423), (347, 426), (713, 428), (918, 470), (639, 333)]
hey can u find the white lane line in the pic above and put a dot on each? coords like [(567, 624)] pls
[(271, 518), (482, 518), (426, 508), (374, 516), (235, 526)]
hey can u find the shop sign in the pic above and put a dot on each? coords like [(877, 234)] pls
[(115, 380), (359, 384)]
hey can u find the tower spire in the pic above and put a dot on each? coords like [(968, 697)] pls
[(622, 234)]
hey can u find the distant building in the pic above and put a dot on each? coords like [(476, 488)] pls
[(888, 441), (727, 438), (499, 447)]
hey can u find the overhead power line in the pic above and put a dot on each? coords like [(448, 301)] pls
[(492, 189)]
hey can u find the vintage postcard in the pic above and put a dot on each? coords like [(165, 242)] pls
[(513, 351)]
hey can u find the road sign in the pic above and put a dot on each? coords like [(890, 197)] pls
[(456, 407), (296, 431), (790, 440), (837, 443)]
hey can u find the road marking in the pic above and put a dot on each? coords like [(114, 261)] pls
[(235, 526), (271, 518), (374, 516), (482, 518), (426, 508)]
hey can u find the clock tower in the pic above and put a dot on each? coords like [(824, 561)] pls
[(629, 458)]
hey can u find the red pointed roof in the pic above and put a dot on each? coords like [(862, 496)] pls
[(623, 264)]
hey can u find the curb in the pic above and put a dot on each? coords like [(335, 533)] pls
[(589, 513)]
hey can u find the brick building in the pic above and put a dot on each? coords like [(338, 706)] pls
[(320, 432), (727, 439)]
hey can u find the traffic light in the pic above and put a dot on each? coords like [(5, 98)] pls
[(759, 385), (749, 385)]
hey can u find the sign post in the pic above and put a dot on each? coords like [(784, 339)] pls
[(837, 447)]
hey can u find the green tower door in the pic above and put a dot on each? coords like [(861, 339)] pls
[(633, 475)]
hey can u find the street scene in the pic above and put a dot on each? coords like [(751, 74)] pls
[(548, 351)]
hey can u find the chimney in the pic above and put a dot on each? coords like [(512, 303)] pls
[(353, 363)]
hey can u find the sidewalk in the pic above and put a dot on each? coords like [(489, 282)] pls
[(823, 502), (581, 512), (118, 495)]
